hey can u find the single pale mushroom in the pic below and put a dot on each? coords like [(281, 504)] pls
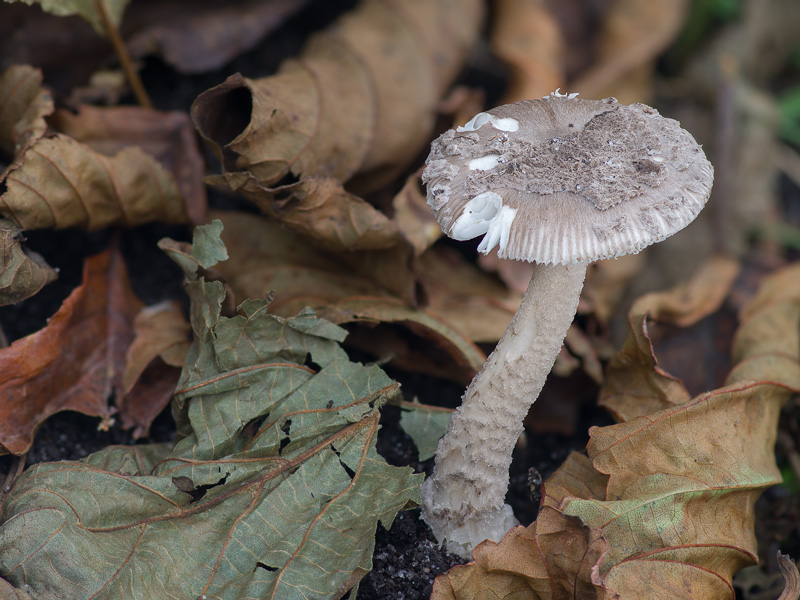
[(560, 182)]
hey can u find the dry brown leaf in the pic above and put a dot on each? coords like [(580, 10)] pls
[(670, 513), (167, 136), (527, 36), (413, 216), (634, 33), (205, 36), (265, 257), (61, 183), (76, 361), (22, 273), (364, 239), (791, 590), (466, 355), (635, 384), (160, 332), (24, 104), (551, 559), (360, 98), (764, 348), (470, 300)]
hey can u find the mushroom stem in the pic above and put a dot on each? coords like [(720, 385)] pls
[(464, 500)]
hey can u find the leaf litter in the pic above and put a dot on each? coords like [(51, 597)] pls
[(380, 270), (274, 488)]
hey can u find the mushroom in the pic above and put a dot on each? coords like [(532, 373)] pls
[(559, 182)]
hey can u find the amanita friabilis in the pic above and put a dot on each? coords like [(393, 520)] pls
[(560, 182)]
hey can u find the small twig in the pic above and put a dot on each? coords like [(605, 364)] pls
[(122, 54)]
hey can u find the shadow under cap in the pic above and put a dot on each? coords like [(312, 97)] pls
[(579, 180)]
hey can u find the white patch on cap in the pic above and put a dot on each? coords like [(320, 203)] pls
[(485, 214), (484, 163), (481, 119), (556, 94)]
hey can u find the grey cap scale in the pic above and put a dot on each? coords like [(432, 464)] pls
[(563, 180)]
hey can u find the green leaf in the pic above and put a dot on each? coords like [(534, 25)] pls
[(274, 489), (425, 424), (86, 9)]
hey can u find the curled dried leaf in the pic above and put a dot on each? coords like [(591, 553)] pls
[(360, 99), (62, 183), (24, 104), (635, 384), (75, 362), (152, 364), (22, 273), (167, 136)]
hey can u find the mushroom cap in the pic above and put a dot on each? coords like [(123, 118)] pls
[(563, 180)]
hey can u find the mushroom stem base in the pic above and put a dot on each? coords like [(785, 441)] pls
[(463, 501)]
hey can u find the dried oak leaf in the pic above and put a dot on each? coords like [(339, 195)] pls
[(672, 511), (76, 361), (356, 106), (274, 489), (59, 182), (86, 9), (22, 273)]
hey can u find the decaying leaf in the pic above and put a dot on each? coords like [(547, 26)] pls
[(152, 364), (166, 136), (24, 104), (267, 257), (527, 36), (61, 183), (86, 9), (467, 356), (788, 567), (636, 385), (274, 489), (359, 99), (75, 362), (551, 559), (413, 216), (634, 33), (668, 506), (22, 273)]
